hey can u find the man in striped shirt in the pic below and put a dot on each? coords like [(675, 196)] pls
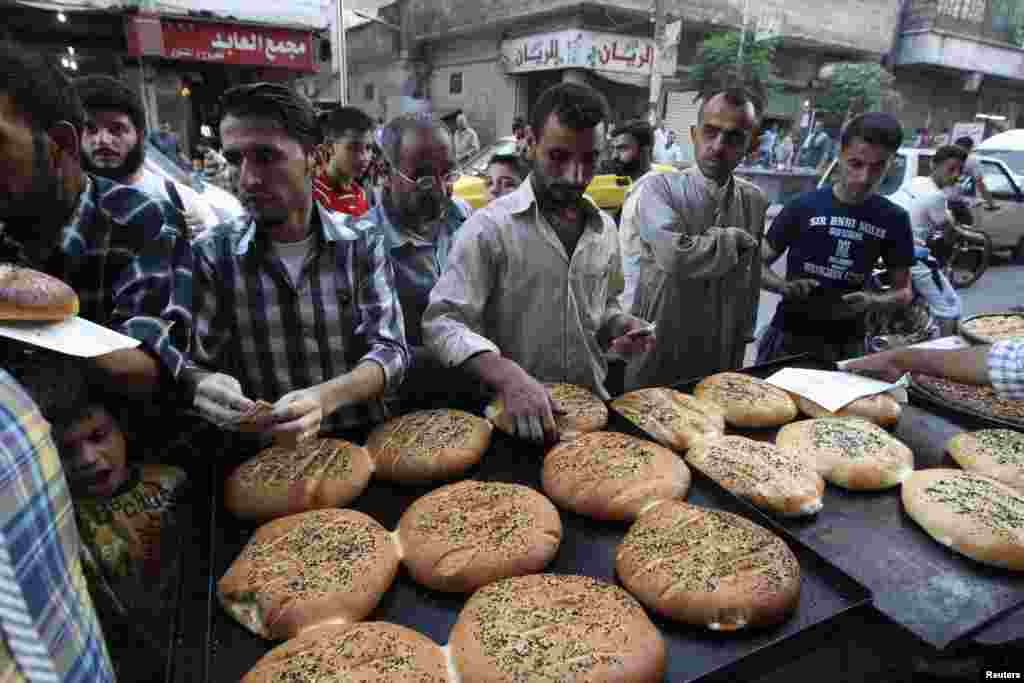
[(295, 305)]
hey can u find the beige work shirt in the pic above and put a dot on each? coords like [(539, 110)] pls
[(691, 277), (511, 288)]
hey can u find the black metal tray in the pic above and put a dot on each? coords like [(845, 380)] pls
[(219, 648), (939, 595), (932, 399)]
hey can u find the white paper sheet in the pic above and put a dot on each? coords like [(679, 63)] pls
[(74, 336), (943, 344), (833, 390)]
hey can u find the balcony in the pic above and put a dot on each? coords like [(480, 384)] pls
[(966, 35)]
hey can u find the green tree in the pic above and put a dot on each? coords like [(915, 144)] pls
[(1008, 20), (851, 88), (719, 62)]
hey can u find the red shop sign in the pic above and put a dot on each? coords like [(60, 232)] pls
[(220, 42)]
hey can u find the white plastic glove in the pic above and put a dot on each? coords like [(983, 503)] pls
[(220, 400)]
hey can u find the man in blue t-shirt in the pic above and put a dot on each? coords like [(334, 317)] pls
[(835, 237)]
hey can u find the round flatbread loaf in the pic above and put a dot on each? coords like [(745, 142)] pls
[(583, 411), (549, 627), (882, 409), (708, 568), (996, 453), (748, 402), (761, 473), (27, 294), (358, 653), (471, 533), (611, 476), (970, 513), (672, 418), (429, 445), (285, 480), (314, 568), (849, 452)]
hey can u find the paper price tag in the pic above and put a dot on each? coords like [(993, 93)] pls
[(74, 336), (833, 390)]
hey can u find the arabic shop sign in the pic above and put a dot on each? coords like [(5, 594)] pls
[(579, 50), (219, 42)]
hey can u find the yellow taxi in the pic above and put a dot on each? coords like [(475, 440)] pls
[(607, 191)]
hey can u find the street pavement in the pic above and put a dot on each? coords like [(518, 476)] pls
[(1001, 287)]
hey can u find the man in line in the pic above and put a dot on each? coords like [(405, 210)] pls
[(1000, 365), (295, 305), (48, 624), (931, 222), (349, 150), (691, 251), (835, 237), (467, 142), (131, 270), (505, 173), (418, 218), (971, 169), (531, 292), (114, 147), (816, 146), (632, 144)]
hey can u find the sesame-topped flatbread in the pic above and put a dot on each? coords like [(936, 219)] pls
[(748, 402), (429, 445), (848, 452), (582, 411), (307, 570), (676, 420), (996, 453)]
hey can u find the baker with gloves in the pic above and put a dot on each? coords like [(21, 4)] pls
[(298, 326)]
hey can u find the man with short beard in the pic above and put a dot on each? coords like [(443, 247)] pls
[(631, 149), (295, 304), (418, 217), (114, 147), (531, 292), (132, 271)]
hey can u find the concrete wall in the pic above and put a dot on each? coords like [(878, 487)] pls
[(936, 99)]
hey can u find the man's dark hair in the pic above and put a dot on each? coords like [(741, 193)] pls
[(38, 88), (947, 152), (513, 160), (737, 95), (577, 106), (292, 111), (105, 93), (340, 121), (965, 142), (55, 382), (394, 133), (641, 131), (874, 128)]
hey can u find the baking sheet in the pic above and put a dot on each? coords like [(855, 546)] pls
[(588, 547), (975, 339), (939, 595), (74, 336), (935, 400)]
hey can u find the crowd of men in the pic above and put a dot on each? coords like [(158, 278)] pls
[(339, 309)]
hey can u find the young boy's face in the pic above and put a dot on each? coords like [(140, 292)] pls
[(94, 454)]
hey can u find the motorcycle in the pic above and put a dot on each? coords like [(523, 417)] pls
[(968, 254), (914, 324)]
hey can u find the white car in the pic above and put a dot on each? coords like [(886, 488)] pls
[(223, 203), (1007, 147)]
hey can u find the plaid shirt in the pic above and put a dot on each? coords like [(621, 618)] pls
[(48, 626), (130, 268), (254, 323), (1006, 369)]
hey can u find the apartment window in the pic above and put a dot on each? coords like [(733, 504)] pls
[(455, 83), (368, 92)]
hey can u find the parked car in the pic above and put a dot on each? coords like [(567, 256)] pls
[(1004, 225), (607, 191), (223, 203), (1007, 147)]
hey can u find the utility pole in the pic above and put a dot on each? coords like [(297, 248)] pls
[(743, 31), (342, 55), (654, 99)]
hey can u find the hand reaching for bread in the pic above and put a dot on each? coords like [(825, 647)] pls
[(297, 416), (220, 400), (530, 408)]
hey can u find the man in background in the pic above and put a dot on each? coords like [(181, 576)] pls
[(467, 142), (632, 145), (971, 169), (348, 146), (113, 146)]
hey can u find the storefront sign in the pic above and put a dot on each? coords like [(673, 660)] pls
[(579, 50), (219, 42)]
